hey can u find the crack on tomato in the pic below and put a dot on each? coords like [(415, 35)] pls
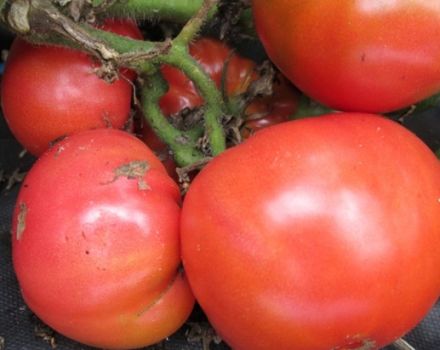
[(21, 220), (134, 170), (161, 294)]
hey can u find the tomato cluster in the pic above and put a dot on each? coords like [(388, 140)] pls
[(313, 234)]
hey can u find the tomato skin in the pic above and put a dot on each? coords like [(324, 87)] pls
[(321, 233), (367, 56), (49, 92), (124, 27), (96, 250)]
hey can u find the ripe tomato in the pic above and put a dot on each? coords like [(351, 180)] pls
[(49, 92), (367, 55), (96, 242), (317, 234)]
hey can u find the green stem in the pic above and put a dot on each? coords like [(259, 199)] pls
[(181, 144), (178, 11), (214, 105), (193, 26)]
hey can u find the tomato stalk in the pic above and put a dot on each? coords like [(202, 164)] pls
[(214, 106), (193, 26), (182, 145), (177, 11), (179, 57)]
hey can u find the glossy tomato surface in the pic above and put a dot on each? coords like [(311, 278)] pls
[(96, 242), (316, 234), (49, 92), (363, 56)]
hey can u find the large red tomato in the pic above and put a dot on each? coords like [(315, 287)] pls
[(365, 55), (96, 242), (317, 234), (49, 92)]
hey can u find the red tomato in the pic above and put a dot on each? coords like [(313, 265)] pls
[(124, 27), (96, 242), (367, 55), (317, 234), (49, 92)]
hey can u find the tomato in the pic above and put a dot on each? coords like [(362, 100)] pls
[(316, 234), (49, 92), (362, 56), (95, 242)]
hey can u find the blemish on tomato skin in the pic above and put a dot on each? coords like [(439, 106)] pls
[(21, 221), (134, 170)]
